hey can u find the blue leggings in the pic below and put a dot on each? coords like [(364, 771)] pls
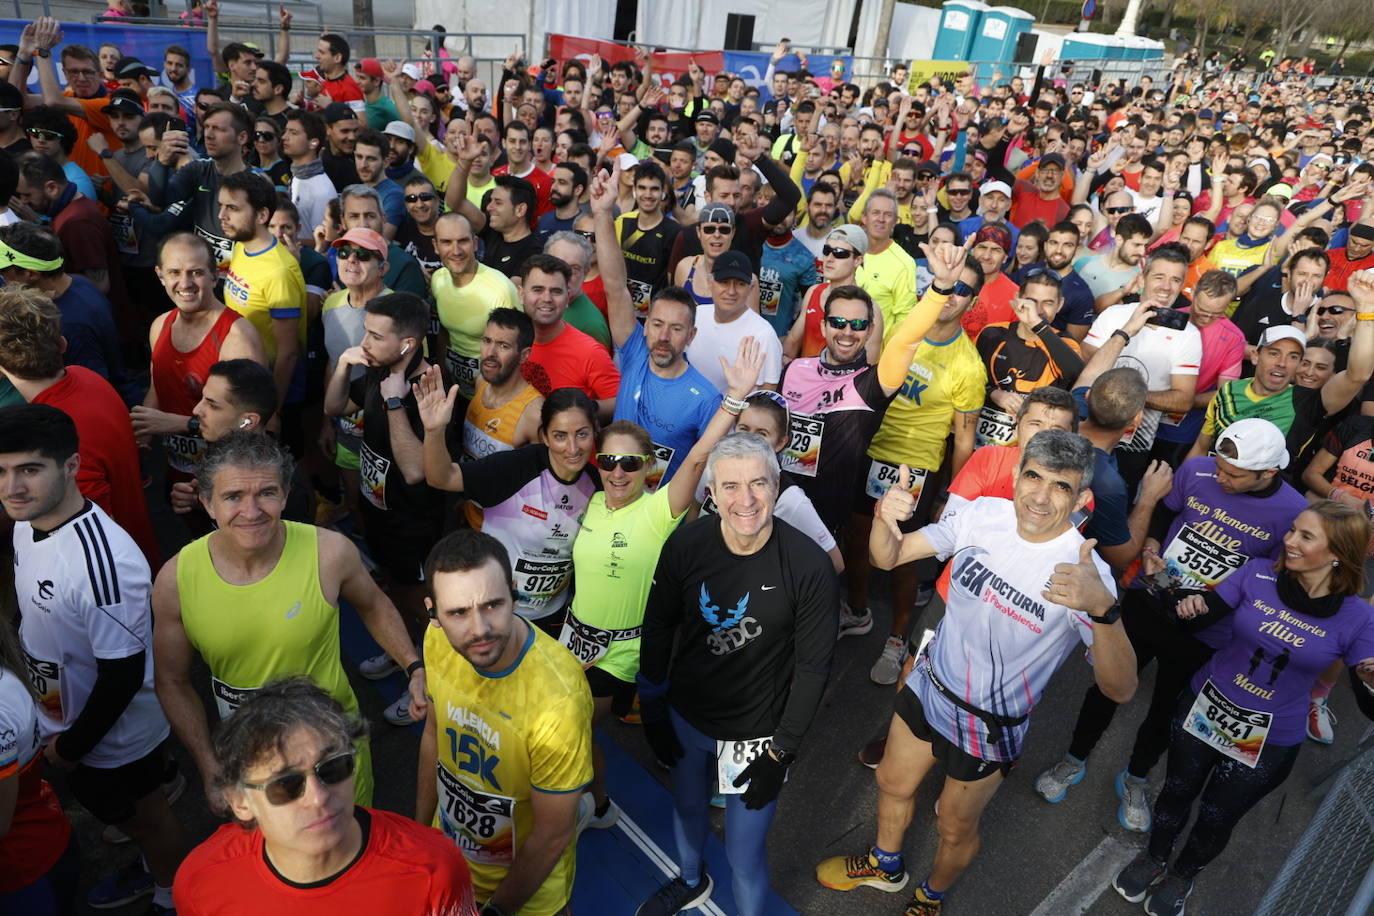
[(54, 894), (693, 780)]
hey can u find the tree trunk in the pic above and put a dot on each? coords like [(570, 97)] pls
[(1168, 19), (362, 17)]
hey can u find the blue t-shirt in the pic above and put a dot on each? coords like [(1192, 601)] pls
[(1111, 504), (393, 201), (551, 222), (92, 340), (783, 273), (675, 411)]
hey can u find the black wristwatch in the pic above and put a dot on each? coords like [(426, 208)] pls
[(1112, 616), (395, 403), (942, 292), (786, 758), (413, 667), (193, 426)]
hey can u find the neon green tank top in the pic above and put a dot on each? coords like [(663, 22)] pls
[(281, 625)]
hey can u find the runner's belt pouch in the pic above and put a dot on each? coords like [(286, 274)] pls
[(994, 722)]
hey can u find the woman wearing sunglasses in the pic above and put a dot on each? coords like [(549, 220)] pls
[(716, 231), (286, 774), (616, 552), (1246, 251), (267, 155), (841, 256), (531, 499)]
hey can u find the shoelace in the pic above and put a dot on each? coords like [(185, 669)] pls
[(862, 865), (1133, 794), (1063, 770)]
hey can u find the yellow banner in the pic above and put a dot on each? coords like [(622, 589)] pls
[(922, 70)]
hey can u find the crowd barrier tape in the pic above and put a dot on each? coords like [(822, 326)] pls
[(147, 43)]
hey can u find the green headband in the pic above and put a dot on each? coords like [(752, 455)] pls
[(11, 258)]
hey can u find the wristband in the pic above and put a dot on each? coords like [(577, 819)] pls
[(1125, 338), (413, 667), (1041, 327), (941, 292), (733, 406), (1364, 316), (26, 61)]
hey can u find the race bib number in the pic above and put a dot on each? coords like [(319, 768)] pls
[(1195, 562), (882, 475), (1172, 419), (229, 698), (995, 427), (122, 228), (538, 581), (731, 759), (46, 678), (372, 471), (770, 292), (587, 643), (224, 248), (481, 825), (1235, 731), (465, 370), (640, 294), (663, 457), (184, 453), (803, 452)]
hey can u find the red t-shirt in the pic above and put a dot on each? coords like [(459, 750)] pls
[(543, 184), (1027, 206), (813, 336), (344, 89), (1338, 277), (39, 831), (572, 360), (404, 868), (993, 304), (109, 475)]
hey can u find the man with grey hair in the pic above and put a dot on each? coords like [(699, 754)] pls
[(887, 273), (1025, 589), (361, 208), (575, 251), (738, 634), (259, 599)]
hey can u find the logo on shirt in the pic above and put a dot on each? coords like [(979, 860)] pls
[(45, 589), (618, 541), (730, 630), (293, 610)]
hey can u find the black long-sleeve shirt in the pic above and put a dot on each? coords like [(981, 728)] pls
[(754, 634), (751, 226)]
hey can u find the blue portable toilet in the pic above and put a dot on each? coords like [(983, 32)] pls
[(998, 33), (1084, 46), (959, 20), (1133, 46)]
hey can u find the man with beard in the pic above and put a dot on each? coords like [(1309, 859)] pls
[(567, 182), (1358, 254), (520, 164), (820, 214), (562, 355), (263, 282), (504, 412), (370, 151), (646, 235), (659, 390), (1297, 293), (1076, 315), (302, 139), (342, 126), (1110, 276), (416, 234)]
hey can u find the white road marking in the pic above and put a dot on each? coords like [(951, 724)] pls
[(660, 858), (1089, 878)]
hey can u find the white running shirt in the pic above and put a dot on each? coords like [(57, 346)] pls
[(85, 591), (1000, 641)]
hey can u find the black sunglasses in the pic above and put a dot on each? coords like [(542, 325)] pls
[(362, 254), (830, 251), (839, 324), (713, 228), (264, 136), (416, 198), (1333, 309), (1120, 209), (631, 463), (959, 191), (288, 787), (587, 234), (43, 132)]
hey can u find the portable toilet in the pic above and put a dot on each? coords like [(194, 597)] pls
[(997, 34), (959, 21), (1133, 47), (1084, 46)]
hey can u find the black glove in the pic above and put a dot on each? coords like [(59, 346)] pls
[(765, 777), (658, 731)]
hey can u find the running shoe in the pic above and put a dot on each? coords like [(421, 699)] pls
[(122, 888), (1054, 783), (606, 819), (633, 717), (1321, 722), (586, 810), (1169, 896), (888, 668), (1134, 811), (1136, 879), (718, 801), (844, 873), (854, 623), (675, 896), (398, 713), (921, 905), (872, 753), (377, 667), (172, 788)]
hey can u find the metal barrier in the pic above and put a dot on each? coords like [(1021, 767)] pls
[(871, 70), (296, 7), (1330, 871)]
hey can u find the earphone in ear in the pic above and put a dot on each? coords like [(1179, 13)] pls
[(245, 423), (404, 349)]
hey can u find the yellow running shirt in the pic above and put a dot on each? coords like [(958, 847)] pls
[(943, 378), (280, 625), (463, 313), (500, 737), (890, 278), (264, 285)]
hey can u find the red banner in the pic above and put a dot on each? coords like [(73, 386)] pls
[(668, 65)]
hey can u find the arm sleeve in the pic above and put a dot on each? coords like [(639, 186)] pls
[(662, 613), (1066, 359), (495, 478), (787, 195), (117, 680), (814, 644), (799, 512), (897, 354)]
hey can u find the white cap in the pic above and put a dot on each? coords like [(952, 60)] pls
[(413, 71), (627, 161), (992, 186), (400, 129), (1283, 332), (1259, 445)]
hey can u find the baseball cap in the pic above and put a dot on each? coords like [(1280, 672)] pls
[(1230, 116), (1206, 114), (708, 116), (1280, 189), (400, 129), (125, 101), (312, 74), (853, 235), (425, 87), (335, 112), (627, 161), (723, 148), (997, 233), (11, 99), (1258, 160), (371, 66), (131, 67), (1283, 332), (364, 238), (413, 71), (1259, 444), (1053, 159), (733, 265), (928, 166), (716, 213), (995, 187)]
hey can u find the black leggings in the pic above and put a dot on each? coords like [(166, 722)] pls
[(1232, 789), (1154, 636)]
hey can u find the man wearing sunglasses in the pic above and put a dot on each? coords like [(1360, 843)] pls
[(13, 140), (287, 776), (1290, 302)]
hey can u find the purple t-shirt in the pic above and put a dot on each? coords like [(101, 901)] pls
[(1215, 533), (1269, 655)]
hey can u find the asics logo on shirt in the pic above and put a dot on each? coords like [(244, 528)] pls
[(293, 610)]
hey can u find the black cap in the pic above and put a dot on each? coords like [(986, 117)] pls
[(708, 116), (125, 101), (338, 111), (928, 166), (1053, 159), (10, 96), (723, 148), (733, 265), (132, 67)]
